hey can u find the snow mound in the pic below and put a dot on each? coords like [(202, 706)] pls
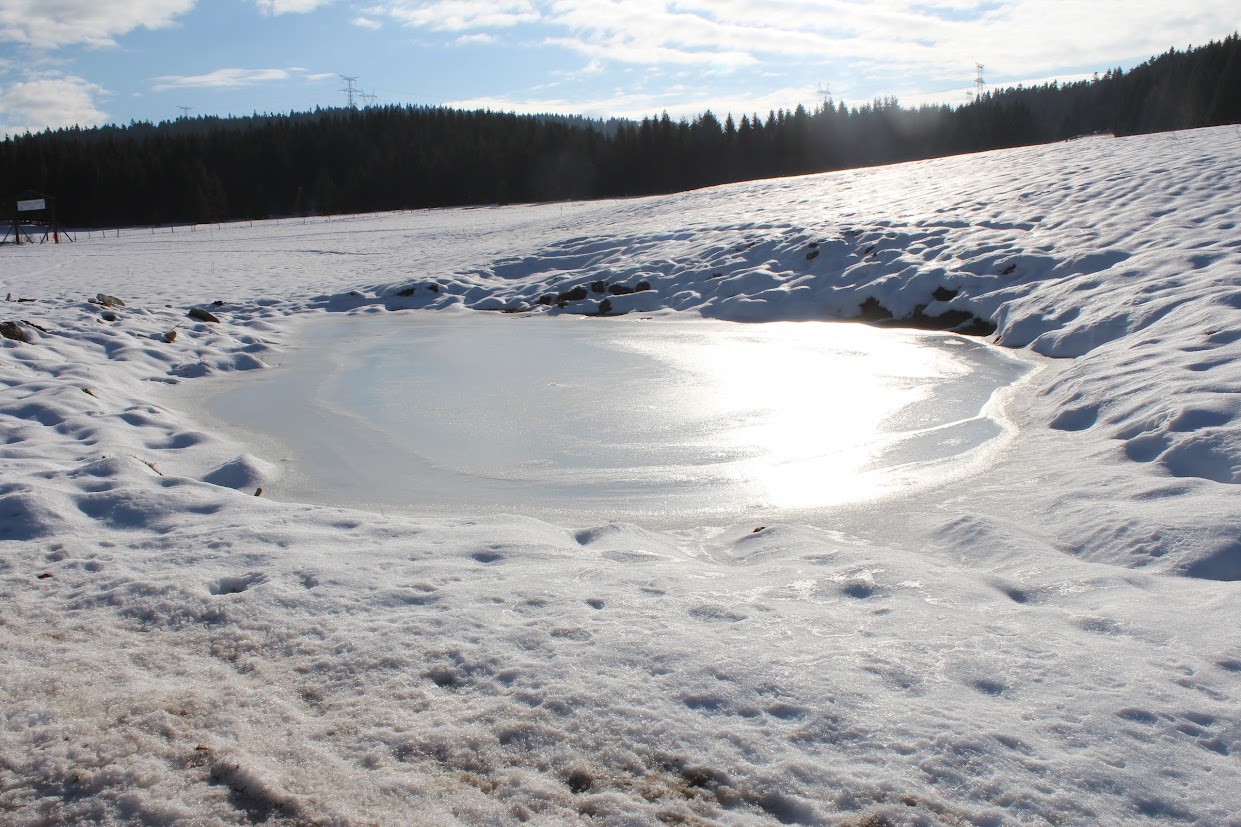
[(245, 471)]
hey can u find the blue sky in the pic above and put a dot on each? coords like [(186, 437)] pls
[(86, 62)]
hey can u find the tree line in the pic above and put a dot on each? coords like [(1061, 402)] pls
[(400, 157)]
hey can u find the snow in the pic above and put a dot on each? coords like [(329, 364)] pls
[(1056, 640)]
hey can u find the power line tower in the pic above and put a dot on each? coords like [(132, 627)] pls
[(185, 111), (824, 92), (980, 85), (368, 99), (351, 92)]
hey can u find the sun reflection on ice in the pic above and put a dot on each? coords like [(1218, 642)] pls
[(807, 423)]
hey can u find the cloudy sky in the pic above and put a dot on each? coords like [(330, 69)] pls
[(86, 62)]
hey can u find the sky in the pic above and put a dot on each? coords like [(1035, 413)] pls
[(89, 62)]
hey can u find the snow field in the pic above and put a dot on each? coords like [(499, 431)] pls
[(1056, 642)]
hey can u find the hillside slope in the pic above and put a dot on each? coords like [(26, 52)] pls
[(1056, 642)]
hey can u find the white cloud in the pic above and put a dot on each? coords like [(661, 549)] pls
[(363, 22), (277, 7), (235, 77), (623, 50), (459, 15), (475, 39), (885, 45), (49, 24), (50, 103), (921, 51), (228, 78)]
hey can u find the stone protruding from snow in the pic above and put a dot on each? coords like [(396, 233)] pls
[(203, 315), (12, 330)]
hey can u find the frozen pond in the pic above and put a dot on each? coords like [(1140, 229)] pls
[(665, 422)]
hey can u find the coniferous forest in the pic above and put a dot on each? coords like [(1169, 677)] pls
[(400, 157)]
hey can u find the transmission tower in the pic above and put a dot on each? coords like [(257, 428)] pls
[(368, 99), (824, 92), (185, 111), (351, 92), (980, 85)]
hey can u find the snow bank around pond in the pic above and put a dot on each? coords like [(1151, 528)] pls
[(1057, 642)]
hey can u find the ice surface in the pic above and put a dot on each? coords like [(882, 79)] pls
[(1053, 640), (665, 422)]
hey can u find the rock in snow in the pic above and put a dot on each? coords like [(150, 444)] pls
[(108, 301), (1058, 643), (203, 315), (12, 330)]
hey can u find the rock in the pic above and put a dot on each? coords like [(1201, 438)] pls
[(575, 295), (580, 781), (872, 311), (546, 298), (605, 306), (12, 330), (620, 289), (203, 315), (408, 291), (813, 254), (958, 321), (170, 337), (434, 288), (108, 316), (641, 286), (108, 301), (598, 286), (943, 294)]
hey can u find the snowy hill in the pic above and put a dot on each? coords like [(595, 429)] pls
[(1057, 642)]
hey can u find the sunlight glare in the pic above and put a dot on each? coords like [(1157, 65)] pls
[(806, 421)]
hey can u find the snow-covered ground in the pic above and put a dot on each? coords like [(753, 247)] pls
[(1056, 642)]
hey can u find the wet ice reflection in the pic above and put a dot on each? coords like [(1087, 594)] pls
[(811, 406)]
